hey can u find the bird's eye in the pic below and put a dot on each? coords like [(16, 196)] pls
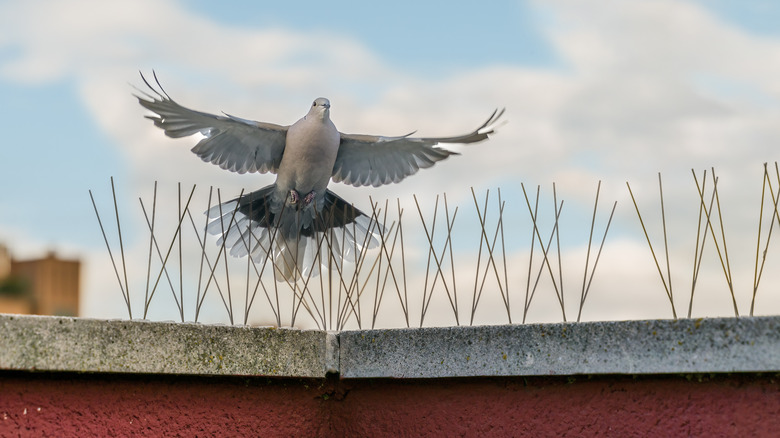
[(314, 103)]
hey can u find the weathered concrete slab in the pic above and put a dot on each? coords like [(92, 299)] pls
[(718, 345), (626, 347), (90, 345)]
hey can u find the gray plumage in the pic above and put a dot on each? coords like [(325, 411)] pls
[(286, 220)]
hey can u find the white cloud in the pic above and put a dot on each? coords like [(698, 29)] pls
[(644, 87)]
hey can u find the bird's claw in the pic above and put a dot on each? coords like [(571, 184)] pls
[(308, 198), (295, 197)]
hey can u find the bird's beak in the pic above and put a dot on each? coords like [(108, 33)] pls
[(327, 106)]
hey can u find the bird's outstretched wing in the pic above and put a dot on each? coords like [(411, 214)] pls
[(368, 160), (230, 142)]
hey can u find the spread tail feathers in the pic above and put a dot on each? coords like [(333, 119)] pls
[(298, 241)]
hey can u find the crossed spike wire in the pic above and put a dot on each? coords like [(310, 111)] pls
[(350, 288)]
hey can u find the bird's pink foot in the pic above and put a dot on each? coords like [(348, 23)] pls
[(308, 198), (294, 197)]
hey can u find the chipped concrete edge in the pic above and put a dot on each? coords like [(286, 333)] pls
[(713, 345)]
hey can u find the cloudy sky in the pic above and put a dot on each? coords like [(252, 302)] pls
[(594, 91)]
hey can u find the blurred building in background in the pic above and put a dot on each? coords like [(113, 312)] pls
[(46, 286)]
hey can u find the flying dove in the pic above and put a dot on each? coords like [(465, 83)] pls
[(291, 219)]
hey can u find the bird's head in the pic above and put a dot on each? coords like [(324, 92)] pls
[(320, 108)]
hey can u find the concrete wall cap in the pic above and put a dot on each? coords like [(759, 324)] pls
[(712, 345)]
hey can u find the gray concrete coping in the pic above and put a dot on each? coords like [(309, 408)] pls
[(47, 343), (715, 345)]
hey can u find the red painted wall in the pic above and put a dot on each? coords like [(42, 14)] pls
[(63, 405)]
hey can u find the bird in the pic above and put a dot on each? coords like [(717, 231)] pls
[(296, 220)]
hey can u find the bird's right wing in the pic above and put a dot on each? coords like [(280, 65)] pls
[(232, 143)]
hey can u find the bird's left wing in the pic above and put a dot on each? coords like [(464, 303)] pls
[(365, 160), (232, 143)]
